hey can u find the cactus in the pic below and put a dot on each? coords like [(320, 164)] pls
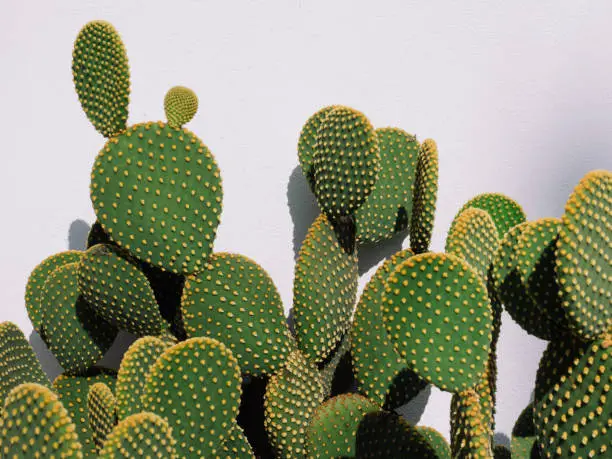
[(180, 105), (436, 440), (470, 437), (236, 445), (424, 198), (102, 412), (524, 444), (327, 373)]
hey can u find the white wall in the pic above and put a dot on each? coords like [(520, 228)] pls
[(518, 97)]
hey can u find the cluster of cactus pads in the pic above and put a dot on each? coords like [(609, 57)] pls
[(215, 370)]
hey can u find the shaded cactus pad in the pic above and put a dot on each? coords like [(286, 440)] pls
[(180, 105), (424, 198), (102, 412)]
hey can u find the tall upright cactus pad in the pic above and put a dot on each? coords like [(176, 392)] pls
[(381, 373), (572, 402), (140, 435), (388, 208), (102, 77), (524, 444), (584, 252), (235, 301), (324, 291), (118, 290), (291, 398), (195, 386), (180, 105), (35, 424), (133, 371), (102, 412), (157, 192), (36, 283), (76, 336), (438, 316), (425, 196), (470, 437), (346, 162)]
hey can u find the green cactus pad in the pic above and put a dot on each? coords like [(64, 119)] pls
[(102, 77), (572, 401), (438, 316), (36, 283), (583, 256), (73, 392), (388, 208), (35, 424), (346, 162), (118, 290), (236, 445), (76, 336), (436, 440), (133, 371), (470, 434), (291, 398), (332, 431), (524, 444), (381, 372), (504, 211), (328, 372), (235, 301), (195, 386), (424, 197), (102, 412), (140, 435), (157, 193), (324, 291), (180, 105)]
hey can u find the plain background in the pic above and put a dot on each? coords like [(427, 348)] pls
[(518, 96)]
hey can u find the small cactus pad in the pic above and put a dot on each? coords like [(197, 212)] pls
[(36, 283), (35, 424), (584, 251), (332, 431), (388, 208), (436, 440), (473, 237), (157, 192), (18, 363), (140, 435), (236, 445), (345, 163), (381, 372), (523, 444), (324, 291), (102, 77), (195, 386), (133, 371), (75, 335), (470, 435), (504, 211), (180, 105), (119, 291), (308, 142), (424, 197), (235, 301), (572, 402), (291, 398), (438, 315), (102, 412)]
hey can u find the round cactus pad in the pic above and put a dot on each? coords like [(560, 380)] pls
[(157, 192), (102, 412), (438, 316), (195, 386), (470, 433), (424, 197), (584, 251), (180, 105), (235, 301), (436, 440)]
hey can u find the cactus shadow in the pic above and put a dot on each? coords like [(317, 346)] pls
[(47, 360), (112, 358), (371, 254), (502, 439), (413, 410), (77, 235), (303, 207)]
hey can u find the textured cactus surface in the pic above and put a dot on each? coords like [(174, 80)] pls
[(180, 105), (102, 412)]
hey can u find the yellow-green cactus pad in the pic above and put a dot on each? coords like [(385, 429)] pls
[(236, 445), (195, 386), (140, 435), (332, 431), (324, 291), (388, 208), (102, 77), (292, 396), (133, 371), (424, 197), (118, 290), (102, 412), (346, 162), (18, 363), (180, 105), (438, 315), (470, 434), (380, 371), (584, 253), (157, 192), (328, 372), (74, 333), (36, 283), (572, 401), (436, 440), (73, 392), (524, 444), (235, 301), (35, 424)]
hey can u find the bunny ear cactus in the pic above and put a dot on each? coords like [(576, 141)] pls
[(425, 196), (470, 437), (102, 412), (180, 105)]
